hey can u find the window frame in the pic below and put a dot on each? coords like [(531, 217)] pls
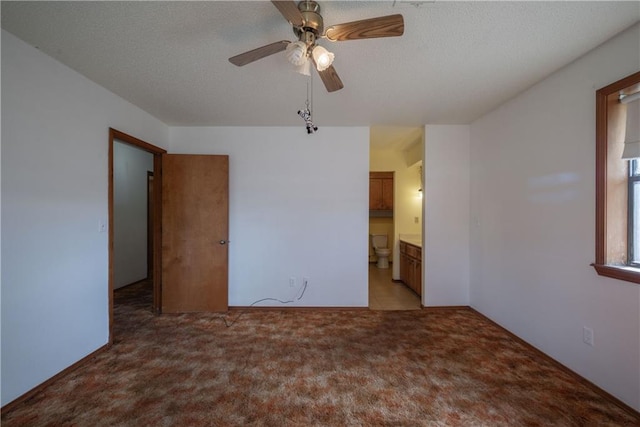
[(603, 263), (633, 179)]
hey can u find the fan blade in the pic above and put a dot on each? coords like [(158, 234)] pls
[(290, 11), (384, 26), (330, 78), (259, 53)]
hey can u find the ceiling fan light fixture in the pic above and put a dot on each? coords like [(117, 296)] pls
[(297, 53), (304, 68), (308, 26), (322, 57)]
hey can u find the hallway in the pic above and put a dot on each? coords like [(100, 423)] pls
[(385, 294)]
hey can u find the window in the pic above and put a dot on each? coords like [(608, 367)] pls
[(633, 226), (617, 187)]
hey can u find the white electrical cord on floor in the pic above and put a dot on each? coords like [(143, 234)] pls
[(304, 289)]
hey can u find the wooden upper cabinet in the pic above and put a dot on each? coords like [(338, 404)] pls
[(375, 193), (381, 192)]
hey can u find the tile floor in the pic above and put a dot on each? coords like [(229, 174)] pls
[(384, 294)]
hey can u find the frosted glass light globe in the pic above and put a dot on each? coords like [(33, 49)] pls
[(323, 58), (297, 53)]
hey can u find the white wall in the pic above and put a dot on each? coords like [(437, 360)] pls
[(533, 220), (130, 167), (54, 193), (445, 254), (298, 206), (408, 198)]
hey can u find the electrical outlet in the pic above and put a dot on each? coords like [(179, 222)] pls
[(587, 336), (292, 282)]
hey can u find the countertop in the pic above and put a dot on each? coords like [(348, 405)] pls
[(412, 239)]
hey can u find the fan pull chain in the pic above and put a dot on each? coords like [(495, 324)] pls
[(306, 113), (310, 84), (309, 107)]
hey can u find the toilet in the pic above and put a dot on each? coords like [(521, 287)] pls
[(379, 244)]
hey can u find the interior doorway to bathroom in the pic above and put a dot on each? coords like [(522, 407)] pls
[(396, 153), (387, 294)]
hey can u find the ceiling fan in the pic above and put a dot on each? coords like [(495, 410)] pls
[(308, 26)]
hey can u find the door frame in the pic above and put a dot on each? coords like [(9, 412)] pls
[(150, 222), (157, 218)]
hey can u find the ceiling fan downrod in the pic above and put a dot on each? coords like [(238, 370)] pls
[(312, 20)]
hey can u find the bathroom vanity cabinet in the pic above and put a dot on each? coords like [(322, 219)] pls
[(411, 266), (381, 193)]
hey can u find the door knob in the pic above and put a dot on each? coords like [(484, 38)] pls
[(223, 242)]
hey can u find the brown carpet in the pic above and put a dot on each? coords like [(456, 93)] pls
[(323, 368)]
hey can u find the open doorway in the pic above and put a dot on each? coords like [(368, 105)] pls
[(396, 153), (132, 169), (135, 210)]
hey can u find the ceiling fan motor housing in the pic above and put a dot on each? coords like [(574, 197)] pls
[(313, 23)]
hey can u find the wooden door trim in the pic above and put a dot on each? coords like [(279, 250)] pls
[(150, 201), (157, 217)]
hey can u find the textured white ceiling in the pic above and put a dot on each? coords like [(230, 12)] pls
[(455, 62)]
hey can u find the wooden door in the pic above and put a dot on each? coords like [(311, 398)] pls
[(195, 227)]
